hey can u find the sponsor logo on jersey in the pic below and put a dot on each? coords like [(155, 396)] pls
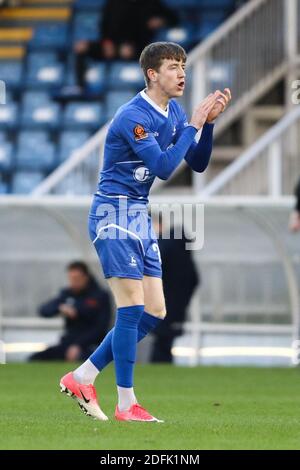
[(141, 174), (139, 132)]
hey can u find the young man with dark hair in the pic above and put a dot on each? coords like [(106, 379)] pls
[(148, 137)]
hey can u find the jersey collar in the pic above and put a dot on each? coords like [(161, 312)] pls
[(154, 105)]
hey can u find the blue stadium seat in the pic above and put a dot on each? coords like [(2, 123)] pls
[(41, 114), (182, 3), (96, 78), (11, 72), (4, 188), (89, 4), (86, 26), (217, 4), (115, 99), (9, 115), (125, 75), (83, 115), (24, 182), (209, 21), (35, 97), (29, 137), (52, 36), (201, 4), (181, 35), (33, 156), (70, 141), (6, 155), (44, 70)]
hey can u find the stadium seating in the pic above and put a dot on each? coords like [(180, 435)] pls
[(123, 76), (11, 72), (32, 158), (96, 78), (44, 70), (9, 115), (23, 182), (6, 152), (86, 26), (44, 114), (36, 40), (115, 99), (3, 188), (70, 141), (52, 36), (83, 115)]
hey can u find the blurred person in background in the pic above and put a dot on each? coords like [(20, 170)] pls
[(86, 309), (180, 279), (126, 27), (294, 224)]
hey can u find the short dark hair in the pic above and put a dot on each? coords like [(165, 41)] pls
[(153, 55), (79, 266)]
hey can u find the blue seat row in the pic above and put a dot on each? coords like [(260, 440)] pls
[(35, 151)]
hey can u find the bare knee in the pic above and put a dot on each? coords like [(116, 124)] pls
[(158, 311)]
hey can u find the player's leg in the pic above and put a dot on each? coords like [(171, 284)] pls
[(129, 299), (103, 355), (154, 297)]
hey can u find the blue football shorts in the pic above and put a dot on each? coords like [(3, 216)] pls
[(126, 244)]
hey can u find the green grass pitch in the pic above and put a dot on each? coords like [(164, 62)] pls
[(203, 408)]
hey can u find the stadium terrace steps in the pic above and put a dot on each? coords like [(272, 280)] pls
[(12, 52), (35, 14), (15, 34)]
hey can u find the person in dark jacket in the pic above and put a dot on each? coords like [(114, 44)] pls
[(86, 309), (126, 27), (180, 278)]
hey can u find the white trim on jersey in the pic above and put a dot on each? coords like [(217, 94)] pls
[(129, 161), (153, 104)]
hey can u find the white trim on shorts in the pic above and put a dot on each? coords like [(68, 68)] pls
[(122, 230)]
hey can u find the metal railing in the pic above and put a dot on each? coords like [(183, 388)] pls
[(248, 53), (80, 172), (270, 167)]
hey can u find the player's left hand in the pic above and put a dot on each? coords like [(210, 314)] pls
[(222, 102)]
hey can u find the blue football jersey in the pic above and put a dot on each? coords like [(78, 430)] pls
[(137, 125)]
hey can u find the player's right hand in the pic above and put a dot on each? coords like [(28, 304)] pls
[(201, 112)]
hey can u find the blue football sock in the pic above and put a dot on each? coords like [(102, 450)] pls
[(124, 341), (103, 355)]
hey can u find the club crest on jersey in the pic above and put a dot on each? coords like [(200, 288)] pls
[(141, 174), (139, 132)]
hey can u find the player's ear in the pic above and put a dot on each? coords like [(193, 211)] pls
[(152, 75)]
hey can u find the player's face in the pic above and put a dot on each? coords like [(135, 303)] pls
[(171, 77)]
